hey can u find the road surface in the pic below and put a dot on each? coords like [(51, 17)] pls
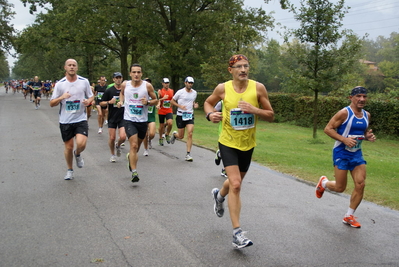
[(101, 219)]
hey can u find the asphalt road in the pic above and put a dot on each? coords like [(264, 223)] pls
[(101, 219)]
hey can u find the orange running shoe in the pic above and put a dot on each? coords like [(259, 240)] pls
[(319, 188), (351, 221)]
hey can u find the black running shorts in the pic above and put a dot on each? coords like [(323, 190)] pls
[(162, 118), (69, 131), (235, 157), (139, 128), (181, 124)]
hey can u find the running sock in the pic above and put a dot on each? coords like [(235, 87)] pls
[(349, 212), (70, 169), (236, 230), (324, 183), (134, 170)]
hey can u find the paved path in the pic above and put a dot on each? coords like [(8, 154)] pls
[(167, 218)]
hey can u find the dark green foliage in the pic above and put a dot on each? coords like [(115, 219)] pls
[(6, 28), (299, 110), (323, 60), (384, 116)]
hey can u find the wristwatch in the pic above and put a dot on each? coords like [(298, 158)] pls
[(207, 116)]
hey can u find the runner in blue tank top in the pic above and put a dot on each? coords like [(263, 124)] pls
[(349, 127)]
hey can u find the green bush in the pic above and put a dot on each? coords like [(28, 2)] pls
[(299, 111)]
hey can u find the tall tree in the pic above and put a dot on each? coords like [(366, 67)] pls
[(329, 52), (4, 67), (189, 33), (270, 63), (6, 29), (181, 32), (112, 25), (382, 48)]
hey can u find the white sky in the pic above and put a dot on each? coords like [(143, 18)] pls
[(374, 17)]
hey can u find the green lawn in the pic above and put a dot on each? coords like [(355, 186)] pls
[(291, 149)]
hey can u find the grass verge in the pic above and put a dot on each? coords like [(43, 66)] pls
[(292, 150)]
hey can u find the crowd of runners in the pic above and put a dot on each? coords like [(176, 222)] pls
[(129, 106), (30, 88)]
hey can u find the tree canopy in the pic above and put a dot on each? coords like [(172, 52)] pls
[(324, 53), (6, 29), (174, 37)]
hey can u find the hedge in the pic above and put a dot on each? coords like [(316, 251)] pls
[(299, 110)]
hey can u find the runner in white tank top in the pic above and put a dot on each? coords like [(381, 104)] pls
[(135, 96)]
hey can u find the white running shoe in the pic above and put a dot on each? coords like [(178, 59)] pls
[(218, 207), (173, 138), (100, 130), (105, 122), (240, 241), (69, 175), (145, 153), (79, 160), (188, 157), (112, 159)]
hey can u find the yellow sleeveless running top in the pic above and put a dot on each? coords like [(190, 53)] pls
[(238, 129)]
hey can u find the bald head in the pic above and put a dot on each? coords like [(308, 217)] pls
[(71, 68), (71, 60)]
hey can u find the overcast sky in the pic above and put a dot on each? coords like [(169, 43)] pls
[(372, 17)]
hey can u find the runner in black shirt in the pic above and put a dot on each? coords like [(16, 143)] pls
[(115, 116), (99, 90)]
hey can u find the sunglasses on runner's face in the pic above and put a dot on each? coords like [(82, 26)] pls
[(246, 66)]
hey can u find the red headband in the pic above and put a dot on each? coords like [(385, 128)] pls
[(237, 58)]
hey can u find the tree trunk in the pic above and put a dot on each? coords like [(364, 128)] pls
[(124, 54), (315, 113), (89, 67), (175, 86)]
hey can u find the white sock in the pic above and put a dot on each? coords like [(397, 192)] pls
[(349, 212), (324, 183)]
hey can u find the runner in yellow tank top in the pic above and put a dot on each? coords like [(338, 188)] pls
[(244, 101), (243, 139)]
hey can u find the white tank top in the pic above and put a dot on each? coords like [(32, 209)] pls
[(135, 111)]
